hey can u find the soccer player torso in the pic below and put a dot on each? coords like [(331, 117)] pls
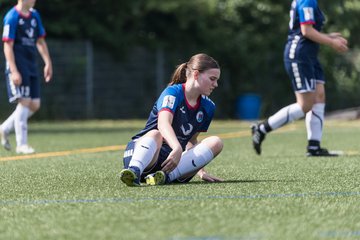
[(298, 47), (24, 31), (187, 119)]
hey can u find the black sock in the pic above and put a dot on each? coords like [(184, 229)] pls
[(266, 126)]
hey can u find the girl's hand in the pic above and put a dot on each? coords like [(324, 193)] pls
[(16, 78), (172, 160), (48, 72), (339, 43), (335, 34), (207, 177)]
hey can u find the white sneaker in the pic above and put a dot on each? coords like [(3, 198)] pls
[(24, 149), (5, 140)]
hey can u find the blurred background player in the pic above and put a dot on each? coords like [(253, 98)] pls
[(306, 74), (23, 35), (167, 149)]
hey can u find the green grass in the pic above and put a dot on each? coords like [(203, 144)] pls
[(279, 195)]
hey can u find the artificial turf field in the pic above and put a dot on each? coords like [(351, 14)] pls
[(71, 188)]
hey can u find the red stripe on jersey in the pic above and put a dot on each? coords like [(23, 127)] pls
[(308, 23), (166, 109), (7, 39)]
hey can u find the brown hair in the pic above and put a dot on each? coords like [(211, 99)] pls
[(200, 62)]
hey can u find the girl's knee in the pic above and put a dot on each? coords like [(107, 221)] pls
[(156, 135), (34, 105), (215, 144)]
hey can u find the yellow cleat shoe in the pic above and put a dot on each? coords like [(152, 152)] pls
[(129, 178), (157, 178)]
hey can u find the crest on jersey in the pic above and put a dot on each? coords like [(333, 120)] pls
[(308, 13), (199, 116), (33, 22), (168, 101)]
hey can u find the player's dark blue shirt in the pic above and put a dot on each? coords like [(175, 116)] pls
[(24, 31), (187, 120), (298, 47)]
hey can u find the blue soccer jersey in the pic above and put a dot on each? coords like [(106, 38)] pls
[(187, 120), (298, 47), (24, 31)]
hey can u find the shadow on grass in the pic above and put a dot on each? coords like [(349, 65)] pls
[(240, 181), (228, 182)]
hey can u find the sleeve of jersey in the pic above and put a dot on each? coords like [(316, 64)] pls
[(168, 100), (41, 28), (9, 29), (306, 10)]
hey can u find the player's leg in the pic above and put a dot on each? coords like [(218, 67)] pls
[(27, 106), (315, 123), (5, 128), (192, 161), (14, 95), (21, 126), (284, 116), (8, 125), (34, 106), (139, 155), (303, 83)]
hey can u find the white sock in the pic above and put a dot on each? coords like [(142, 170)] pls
[(9, 124), (144, 152), (314, 122), (21, 126), (192, 160), (286, 115)]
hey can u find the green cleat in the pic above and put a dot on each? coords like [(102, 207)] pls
[(129, 178), (157, 178)]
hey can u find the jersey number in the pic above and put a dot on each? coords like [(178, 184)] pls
[(25, 91)]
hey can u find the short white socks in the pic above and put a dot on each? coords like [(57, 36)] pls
[(192, 160), (286, 115), (314, 122), (144, 152)]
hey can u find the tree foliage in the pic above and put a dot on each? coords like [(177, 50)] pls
[(247, 37)]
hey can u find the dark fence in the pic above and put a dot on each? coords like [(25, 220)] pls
[(90, 83)]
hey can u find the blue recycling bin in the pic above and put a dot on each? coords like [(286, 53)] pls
[(248, 106)]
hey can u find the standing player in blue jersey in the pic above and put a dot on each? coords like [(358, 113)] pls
[(23, 37), (303, 67), (167, 149)]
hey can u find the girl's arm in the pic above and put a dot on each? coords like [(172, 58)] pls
[(165, 119), (44, 52), (10, 59), (334, 40)]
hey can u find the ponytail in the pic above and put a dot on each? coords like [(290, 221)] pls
[(179, 75)]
